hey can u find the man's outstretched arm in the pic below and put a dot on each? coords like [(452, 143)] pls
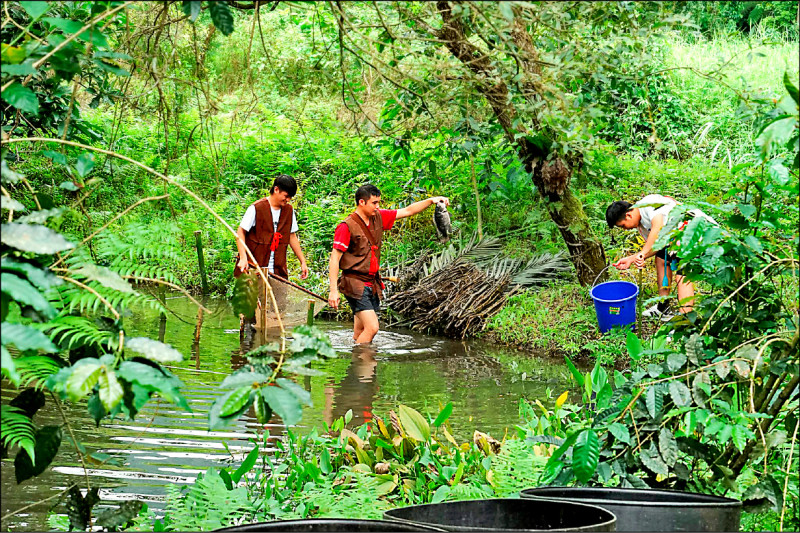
[(333, 278), (417, 207)]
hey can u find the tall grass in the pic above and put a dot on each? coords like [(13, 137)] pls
[(750, 65)]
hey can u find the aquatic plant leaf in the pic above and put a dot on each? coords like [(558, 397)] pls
[(414, 423), (444, 414), (247, 465)]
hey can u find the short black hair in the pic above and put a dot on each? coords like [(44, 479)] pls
[(616, 212), (285, 183), (366, 191)]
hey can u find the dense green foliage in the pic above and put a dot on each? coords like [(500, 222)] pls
[(157, 126)]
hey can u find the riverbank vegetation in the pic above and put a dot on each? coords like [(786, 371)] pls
[(129, 126)]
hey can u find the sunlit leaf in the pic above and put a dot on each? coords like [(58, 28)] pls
[(104, 276), (35, 9), (23, 292), (84, 376), (153, 350), (284, 403), (235, 401), (33, 238), (303, 395), (26, 338), (586, 455), (110, 389)]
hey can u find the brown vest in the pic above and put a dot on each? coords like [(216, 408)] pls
[(261, 239), (355, 261)]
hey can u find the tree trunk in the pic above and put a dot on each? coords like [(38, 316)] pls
[(551, 177)]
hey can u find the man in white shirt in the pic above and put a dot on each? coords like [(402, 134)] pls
[(649, 215)]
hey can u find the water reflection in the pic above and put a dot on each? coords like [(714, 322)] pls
[(356, 390), (166, 446)]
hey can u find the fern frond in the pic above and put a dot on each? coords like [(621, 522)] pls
[(207, 505), (35, 369), (72, 331), (16, 429), (76, 299)]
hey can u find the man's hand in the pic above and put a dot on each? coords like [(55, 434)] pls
[(334, 299), (243, 264), (437, 199), (303, 271), (625, 262)]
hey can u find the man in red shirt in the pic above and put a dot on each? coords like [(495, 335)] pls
[(357, 253)]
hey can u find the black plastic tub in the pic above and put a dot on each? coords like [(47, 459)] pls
[(331, 524), (651, 509), (506, 514)]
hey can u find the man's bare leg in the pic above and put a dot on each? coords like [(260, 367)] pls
[(685, 294), (369, 321), (660, 266), (358, 327)]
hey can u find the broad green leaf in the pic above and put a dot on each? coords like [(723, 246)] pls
[(155, 380), (23, 292), (85, 164), (740, 435), (700, 396), (599, 377), (85, 374), (634, 346), (7, 175), (414, 423), (21, 70), (192, 8), (96, 409), (35, 9), (245, 295), (117, 519), (303, 395), (110, 389), (262, 410), (654, 401), (620, 432), (694, 348), (10, 203), (667, 446), (48, 440), (653, 462), (680, 393), (675, 361), (506, 10), (585, 456), (284, 403), (33, 238), (12, 55), (105, 277), (68, 186), (444, 414), (71, 26), (154, 350), (38, 276), (37, 217), (443, 491), (26, 338), (235, 401), (8, 366), (21, 98), (243, 378), (221, 17)]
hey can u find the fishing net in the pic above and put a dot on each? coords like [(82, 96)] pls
[(251, 300)]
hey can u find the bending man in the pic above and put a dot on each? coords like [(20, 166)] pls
[(357, 252)]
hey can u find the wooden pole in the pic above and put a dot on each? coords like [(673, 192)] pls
[(639, 303), (310, 317), (199, 244)]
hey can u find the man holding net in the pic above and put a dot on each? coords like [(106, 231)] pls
[(268, 228), (357, 252)]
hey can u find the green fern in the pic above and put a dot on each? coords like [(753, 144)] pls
[(207, 505), (72, 331), (35, 369), (74, 298), (516, 467), (16, 429)]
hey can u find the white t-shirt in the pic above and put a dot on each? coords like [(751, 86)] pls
[(657, 204), (651, 209), (249, 220)]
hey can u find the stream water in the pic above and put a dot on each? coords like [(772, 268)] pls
[(165, 445)]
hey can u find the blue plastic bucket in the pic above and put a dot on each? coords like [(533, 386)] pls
[(615, 304)]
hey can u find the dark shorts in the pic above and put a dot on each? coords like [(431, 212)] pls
[(662, 253), (368, 302)]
